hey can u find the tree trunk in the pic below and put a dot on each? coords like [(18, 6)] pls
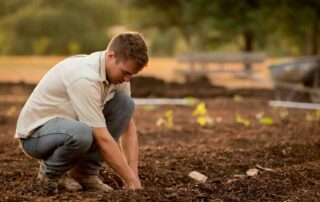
[(248, 40), (248, 47)]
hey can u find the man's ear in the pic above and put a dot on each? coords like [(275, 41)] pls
[(110, 54)]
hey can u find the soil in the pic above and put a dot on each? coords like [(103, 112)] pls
[(223, 151)]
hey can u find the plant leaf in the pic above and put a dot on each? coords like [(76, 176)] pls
[(266, 121), (201, 120), (200, 109), (241, 120)]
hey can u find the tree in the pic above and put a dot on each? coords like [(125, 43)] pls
[(186, 16), (299, 21), (58, 27)]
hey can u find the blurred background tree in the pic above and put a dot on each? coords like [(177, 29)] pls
[(56, 27), (279, 27)]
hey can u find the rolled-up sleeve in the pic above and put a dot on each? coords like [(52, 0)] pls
[(85, 97)]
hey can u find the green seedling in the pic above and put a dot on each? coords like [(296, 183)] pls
[(237, 98), (241, 120), (200, 110), (166, 120), (264, 120), (268, 121), (201, 113), (205, 120)]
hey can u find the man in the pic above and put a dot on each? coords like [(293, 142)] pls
[(77, 113)]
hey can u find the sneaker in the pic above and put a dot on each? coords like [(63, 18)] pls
[(90, 182), (68, 182)]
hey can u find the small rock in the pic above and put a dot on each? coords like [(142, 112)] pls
[(198, 176)]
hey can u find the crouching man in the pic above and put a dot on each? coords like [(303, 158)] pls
[(79, 111)]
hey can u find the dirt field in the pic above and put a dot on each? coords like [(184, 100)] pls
[(223, 151)]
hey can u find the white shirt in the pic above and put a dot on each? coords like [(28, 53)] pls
[(76, 89)]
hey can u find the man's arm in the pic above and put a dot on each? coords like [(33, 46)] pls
[(112, 155), (129, 146)]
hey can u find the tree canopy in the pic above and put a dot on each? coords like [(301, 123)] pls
[(56, 27), (280, 27)]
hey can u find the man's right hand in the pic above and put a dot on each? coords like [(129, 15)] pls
[(135, 184), (112, 155)]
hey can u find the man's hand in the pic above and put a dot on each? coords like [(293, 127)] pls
[(112, 155), (133, 185)]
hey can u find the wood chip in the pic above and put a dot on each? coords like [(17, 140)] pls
[(239, 176), (263, 168)]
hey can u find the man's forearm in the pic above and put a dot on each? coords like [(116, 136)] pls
[(112, 155), (129, 146)]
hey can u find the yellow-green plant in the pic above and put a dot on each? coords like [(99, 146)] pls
[(204, 120), (200, 110), (201, 113), (166, 120), (264, 119), (242, 120)]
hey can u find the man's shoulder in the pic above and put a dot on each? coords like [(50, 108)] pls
[(80, 66)]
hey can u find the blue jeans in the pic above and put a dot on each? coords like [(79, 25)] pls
[(63, 144)]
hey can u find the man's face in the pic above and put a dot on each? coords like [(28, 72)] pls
[(121, 71)]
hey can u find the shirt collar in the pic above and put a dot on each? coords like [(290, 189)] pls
[(102, 63)]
